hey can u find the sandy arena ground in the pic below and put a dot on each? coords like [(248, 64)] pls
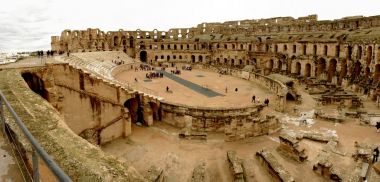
[(159, 145), (210, 80)]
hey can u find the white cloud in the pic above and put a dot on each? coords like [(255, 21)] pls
[(28, 24)]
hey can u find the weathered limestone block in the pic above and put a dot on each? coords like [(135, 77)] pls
[(362, 152), (275, 169), (289, 146), (154, 174), (199, 173), (335, 117), (188, 134), (325, 167), (319, 136), (235, 166)]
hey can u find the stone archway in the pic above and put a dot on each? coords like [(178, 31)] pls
[(321, 67), (143, 56), (332, 69), (134, 109), (307, 70), (298, 68), (376, 76)]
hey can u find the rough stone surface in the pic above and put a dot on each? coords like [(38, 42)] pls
[(274, 167)]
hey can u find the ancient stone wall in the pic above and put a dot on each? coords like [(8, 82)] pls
[(236, 123), (99, 105), (78, 158)]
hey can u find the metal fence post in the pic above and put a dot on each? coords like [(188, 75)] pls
[(2, 118), (36, 170)]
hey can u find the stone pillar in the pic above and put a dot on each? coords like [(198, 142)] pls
[(127, 121), (148, 114)]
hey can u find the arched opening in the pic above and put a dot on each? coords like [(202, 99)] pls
[(116, 41), (155, 58), (307, 70), (192, 58), (131, 42), (359, 53), (376, 76), (343, 71), (103, 46), (168, 58), (321, 66), (369, 55), (298, 68), (325, 49), (279, 65), (200, 58), (332, 69), (232, 61), (143, 56), (290, 97), (36, 84), (135, 110), (367, 72), (225, 60), (357, 68), (268, 67)]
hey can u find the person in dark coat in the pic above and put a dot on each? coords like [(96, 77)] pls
[(378, 126), (375, 154)]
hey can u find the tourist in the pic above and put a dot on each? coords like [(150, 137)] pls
[(378, 126), (267, 101), (236, 89), (167, 89), (254, 99), (135, 79), (375, 154)]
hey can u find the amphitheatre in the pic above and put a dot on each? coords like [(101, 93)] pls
[(178, 105)]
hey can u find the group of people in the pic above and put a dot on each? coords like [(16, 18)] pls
[(48, 53), (187, 68), (254, 100), (144, 67), (151, 75), (118, 62), (176, 71)]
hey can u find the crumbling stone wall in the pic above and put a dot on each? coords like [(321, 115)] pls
[(87, 162), (236, 123)]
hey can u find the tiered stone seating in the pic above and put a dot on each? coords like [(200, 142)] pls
[(100, 65)]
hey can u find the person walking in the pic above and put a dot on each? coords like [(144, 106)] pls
[(167, 89), (375, 154), (254, 99), (378, 126)]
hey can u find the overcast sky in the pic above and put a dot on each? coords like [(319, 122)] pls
[(28, 24)]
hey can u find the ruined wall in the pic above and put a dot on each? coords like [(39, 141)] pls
[(99, 106), (78, 158), (236, 123)]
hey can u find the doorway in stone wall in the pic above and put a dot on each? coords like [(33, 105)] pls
[(143, 56)]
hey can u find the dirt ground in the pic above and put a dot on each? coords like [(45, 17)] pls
[(211, 80), (160, 146)]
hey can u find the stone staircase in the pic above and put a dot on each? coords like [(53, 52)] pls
[(102, 70)]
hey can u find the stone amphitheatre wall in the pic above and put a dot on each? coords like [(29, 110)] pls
[(78, 158), (98, 113), (236, 123), (343, 52)]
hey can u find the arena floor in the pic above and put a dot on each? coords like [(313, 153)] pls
[(187, 95)]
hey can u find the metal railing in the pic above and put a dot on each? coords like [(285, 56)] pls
[(38, 151)]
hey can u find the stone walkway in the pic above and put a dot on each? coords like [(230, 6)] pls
[(195, 87)]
